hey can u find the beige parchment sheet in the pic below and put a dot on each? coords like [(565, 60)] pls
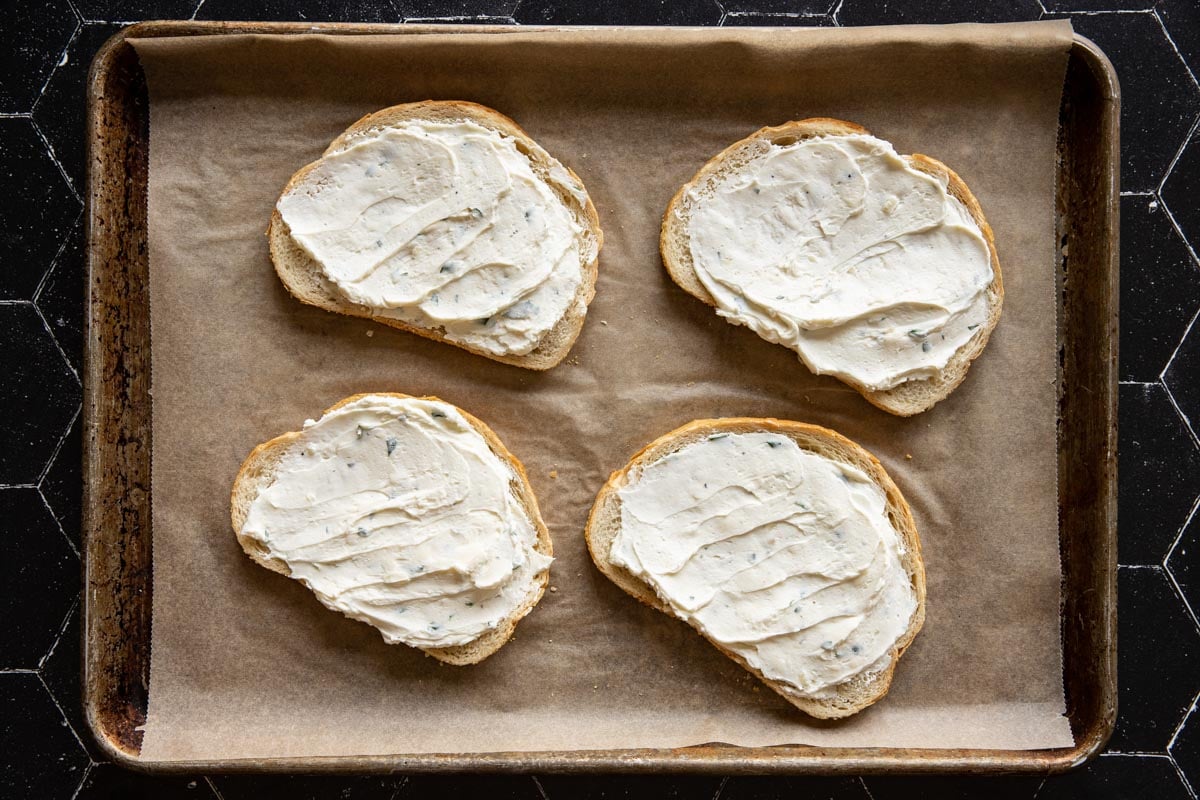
[(246, 663)]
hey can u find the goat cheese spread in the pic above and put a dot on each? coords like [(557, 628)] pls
[(444, 225), (397, 513), (778, 554), (838, 249)]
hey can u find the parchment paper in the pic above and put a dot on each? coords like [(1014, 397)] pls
[(246, 663)]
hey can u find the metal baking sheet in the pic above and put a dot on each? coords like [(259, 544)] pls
[(118, 434)]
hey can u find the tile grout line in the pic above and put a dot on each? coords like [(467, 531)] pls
[(1187, 139), (62, 438), (1175, 733), (212, 786), (1171, 40), (775, 15), (1162, 376), (57, 639), (54, 261), (62, 59), (1179, 536), (456, 20), (1178, 229), (58, 524), (57, 346), (1179, 411), (1187, 607), (396, 792), (66, 722), (1187, 784), (1101, 12), (86, 773), (835, 13), (54, 157)]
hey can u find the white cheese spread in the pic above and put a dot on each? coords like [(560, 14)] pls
[(838, 249), (778, 554), (397, 513), (444, 226)]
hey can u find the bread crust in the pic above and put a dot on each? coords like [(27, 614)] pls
[(303, 278), (911, 397), (604, 523), (258, 472)]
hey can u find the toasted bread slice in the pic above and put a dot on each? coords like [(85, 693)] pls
[(604, 523), (259, 470), (303, 277), (911, 397)]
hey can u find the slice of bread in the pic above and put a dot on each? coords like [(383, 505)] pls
[(911, 397), (304, 278), (260, 467), (604, 523)]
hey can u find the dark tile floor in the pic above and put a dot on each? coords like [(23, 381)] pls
[(45, 50)]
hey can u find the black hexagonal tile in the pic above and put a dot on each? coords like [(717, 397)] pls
[(455, 8), (1181, 187), (1160, 288), (37, 207), (470, 787), (306, 10), (1186, 748), (62, 485), (61, 674), (108, 782), (811, 7), (890, 12), (630, 787), (134, 10), (772, 788), (32, 38), (1182, 21), (60, 111), (1118, 776), (38, 395), (1182, 376), (777, 21), (39, 579), (1159, 474), (1184, 563), (952, 787), (619, 12), (1159, 99), (39, 756), (306, 787), (1097, 5), (1158, 661)]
